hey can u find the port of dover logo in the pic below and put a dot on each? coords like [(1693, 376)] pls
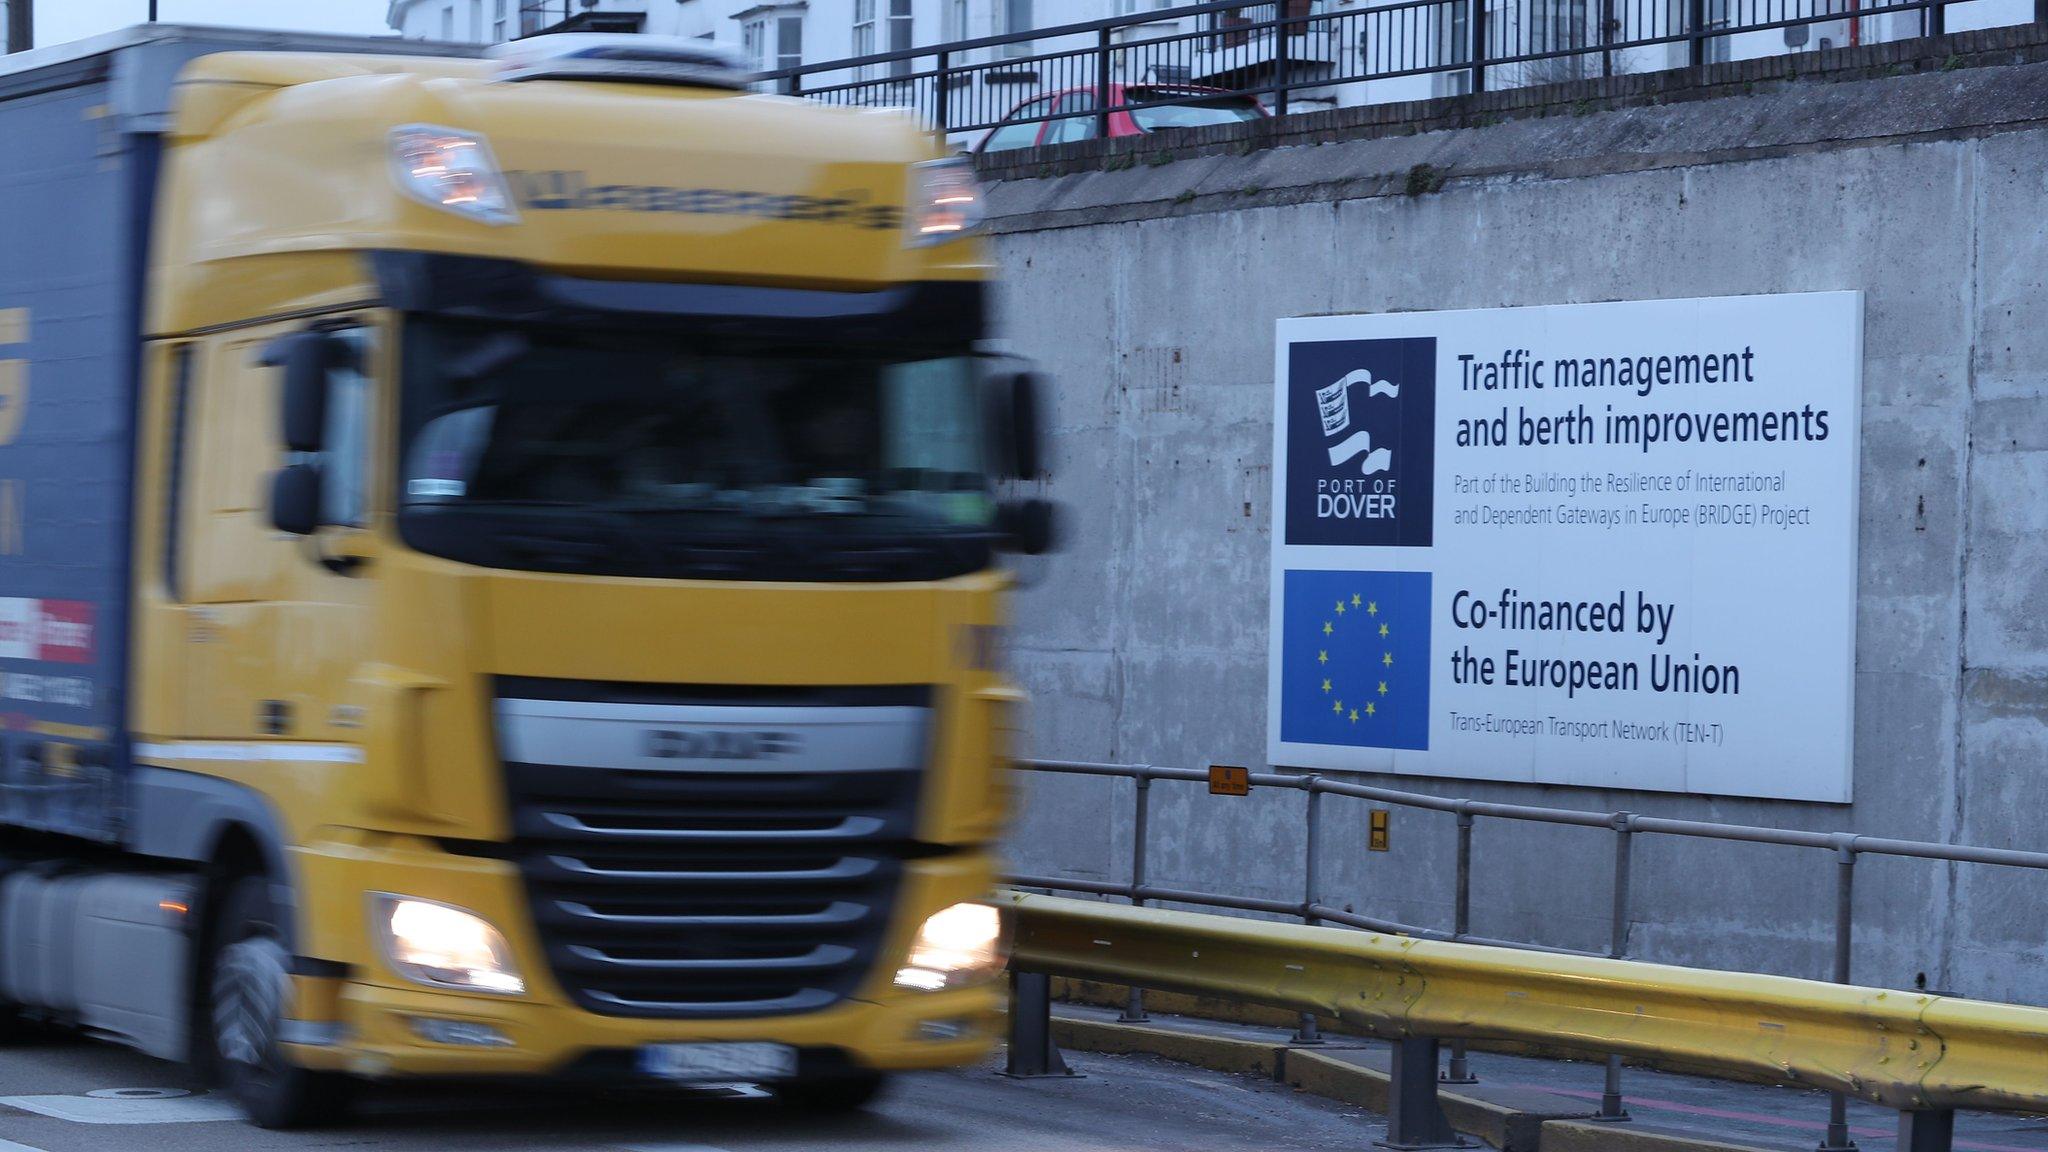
[(1355, 659), (1361, 441)]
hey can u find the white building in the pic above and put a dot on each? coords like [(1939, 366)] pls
[(1361, 37)]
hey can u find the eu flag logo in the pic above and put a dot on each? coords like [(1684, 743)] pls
[(1355, 659)]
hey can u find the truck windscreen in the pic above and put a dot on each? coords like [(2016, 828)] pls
[(628, 454)]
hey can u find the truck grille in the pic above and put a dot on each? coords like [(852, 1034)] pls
[(668, 885)]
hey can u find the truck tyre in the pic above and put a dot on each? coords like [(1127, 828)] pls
[(249, 995), (834, 1095)]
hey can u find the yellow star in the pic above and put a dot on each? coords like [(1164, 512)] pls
[(1354, 714), (1326, 628), (1354, 599), (1388, 659), (1383, 631), (1372, 608), (1323, 657), (1340, 607), (1383, 687), (1337, 707), (1370, 710), (1326, 685)]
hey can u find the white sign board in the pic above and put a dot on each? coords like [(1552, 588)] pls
[(1610, 545)]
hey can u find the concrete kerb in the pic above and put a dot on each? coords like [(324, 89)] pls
[(1586, 1136), (1510, 1119)]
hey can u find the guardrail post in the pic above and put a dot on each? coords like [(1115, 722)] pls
[(1102, 114), (1415, 1117), (1937, 18), (1837, 1138), (1308, 1032), (1461, 924), (1476, 11), (942, 94), (1928, 1130), (1032, 1050), (1134, 1007), (1611, 1110), (1696, 21)]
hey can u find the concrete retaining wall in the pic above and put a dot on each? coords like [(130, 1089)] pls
[(1148, 285)]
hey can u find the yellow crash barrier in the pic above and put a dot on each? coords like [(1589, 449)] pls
[(1905, 1050)]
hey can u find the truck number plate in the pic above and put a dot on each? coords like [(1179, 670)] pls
[(718, 1063)]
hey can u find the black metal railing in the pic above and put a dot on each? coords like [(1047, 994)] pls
[(538, 17), (1291, 54)]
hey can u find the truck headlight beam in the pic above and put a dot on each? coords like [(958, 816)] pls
[(443, 946), (957, 945)]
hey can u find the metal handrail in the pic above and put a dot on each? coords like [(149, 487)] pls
[(1846, 848), (1380, 42)]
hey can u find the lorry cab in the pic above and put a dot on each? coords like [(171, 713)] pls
[(549, 620)]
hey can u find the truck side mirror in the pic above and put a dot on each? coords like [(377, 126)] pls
[(307, 358), (1030, 527), (295, 499), (1026, 447)]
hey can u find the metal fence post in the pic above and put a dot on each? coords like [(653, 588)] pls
[(1476, 11), (1837, 1138), (1281, 67), (1929, 1130), (1617, 944), (1606, 38), (1102, 94), (1461, 924), (1032, 1051), (1415, 1117), (1134, 1008), (942, 94), (1696, 20), (1308, 1032), (1936, 20)]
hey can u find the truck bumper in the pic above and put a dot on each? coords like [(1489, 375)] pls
[(375, 1023)]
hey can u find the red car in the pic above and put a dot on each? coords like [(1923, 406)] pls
[(1161, 107)]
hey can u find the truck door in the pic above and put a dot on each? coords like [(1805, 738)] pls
[(272, 629)]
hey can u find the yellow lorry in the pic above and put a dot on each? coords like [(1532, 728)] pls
[(499, 568)]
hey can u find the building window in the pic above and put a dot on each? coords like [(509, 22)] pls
[(752, 35), (900, 40), (863, 28), (498, 22), (955, 21), (1016, 17), (789, 41), (476, 20), (448, 23)]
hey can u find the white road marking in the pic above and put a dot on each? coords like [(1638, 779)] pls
[(89, 1110), (11, 1146)]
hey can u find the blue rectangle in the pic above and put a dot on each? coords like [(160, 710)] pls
[(1354, 657)]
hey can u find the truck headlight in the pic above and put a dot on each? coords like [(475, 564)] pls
[(945, 201), (958, 945), (444, 946), (451, 170)]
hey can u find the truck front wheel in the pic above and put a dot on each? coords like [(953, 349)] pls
[(249, 996)]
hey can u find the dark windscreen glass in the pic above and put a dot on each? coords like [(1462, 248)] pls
[(690, 443)]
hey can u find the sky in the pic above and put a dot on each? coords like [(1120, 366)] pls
[(61, 20)]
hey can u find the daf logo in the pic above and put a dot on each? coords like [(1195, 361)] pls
[(719, 744)]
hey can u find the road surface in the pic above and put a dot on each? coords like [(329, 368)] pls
[(1121, 1103)]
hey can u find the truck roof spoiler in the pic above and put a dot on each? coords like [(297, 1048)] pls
[(629, 59)]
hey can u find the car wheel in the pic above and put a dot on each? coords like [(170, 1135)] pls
[(249, 996)]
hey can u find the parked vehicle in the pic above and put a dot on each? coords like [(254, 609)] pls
[(1139, 109), (498, 568)]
